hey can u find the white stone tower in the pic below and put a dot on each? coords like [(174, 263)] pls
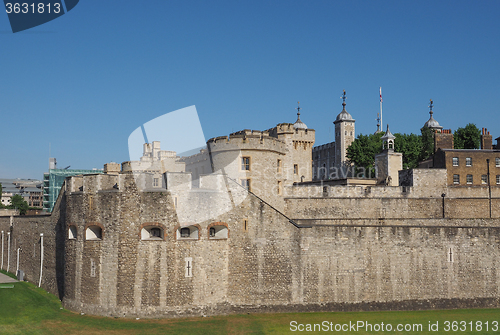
[(388, 163), (344, 135)]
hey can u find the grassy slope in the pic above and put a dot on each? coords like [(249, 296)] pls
[(26, 309)]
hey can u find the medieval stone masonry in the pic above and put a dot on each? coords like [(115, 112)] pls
[(242, 227)]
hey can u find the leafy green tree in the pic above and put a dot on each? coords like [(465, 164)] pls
[(17, 201), (362, 151), (427, 138), (411, 148), (467, 138)]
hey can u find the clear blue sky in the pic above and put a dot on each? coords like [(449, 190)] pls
[(86, 80)]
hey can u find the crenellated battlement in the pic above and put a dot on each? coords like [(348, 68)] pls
[(247, 140)]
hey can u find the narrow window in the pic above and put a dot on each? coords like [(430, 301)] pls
[(175, 202), (295, 169), (188, 267), (245, 225), (245, 163), (484, 179), (279, 166), (279, 187), (456, 179), (455, 161), (468, 161), (92, 268), (450, 255), (498, 179), (72, 233), (469, 179), (497, 162), (246, 184)]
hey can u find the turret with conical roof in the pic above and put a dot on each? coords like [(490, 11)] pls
[(299, 124)]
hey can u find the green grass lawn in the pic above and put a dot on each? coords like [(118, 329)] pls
[(27, 309)]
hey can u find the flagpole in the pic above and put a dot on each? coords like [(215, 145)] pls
[(381, 123)]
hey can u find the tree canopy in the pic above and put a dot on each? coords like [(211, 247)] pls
[(17, 201), (468, 137)]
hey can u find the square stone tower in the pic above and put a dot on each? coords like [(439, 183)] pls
[(344, 135), (388, 163)]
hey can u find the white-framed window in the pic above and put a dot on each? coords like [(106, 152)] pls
[(469, 179), (497, 162), (218, 232), (455, 161), (188, 233), (156, 182), (93, 233), (151, 233), (246, 184), (245, 163), (468, 161), (484, 179), (456, 179), (498, 179), (72, 233)]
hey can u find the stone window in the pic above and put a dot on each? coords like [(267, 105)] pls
[(188, 267), (456, 179), (346, 133), (279, 187), (245, 163), (497, 162), (469, 179), (279, 166), (72, 233), (468, 161), (187, 233), (498, 179), (245, 225), (92, 268), (246, 184), (93, 233), (295, 169), (217, 232), (455, 161), (152, 233), (156, 182), (450, 255), (484, 179)]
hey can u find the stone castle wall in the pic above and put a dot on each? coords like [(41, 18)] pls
[(356, 255)]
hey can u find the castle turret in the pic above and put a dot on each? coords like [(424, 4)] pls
[(432, 123), (388, 163), (344, 135)]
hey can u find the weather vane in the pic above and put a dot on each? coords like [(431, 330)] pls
[(298, 108), (430, 106), (343, 99)]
